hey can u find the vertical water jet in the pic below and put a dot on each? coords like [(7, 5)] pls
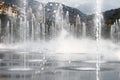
[(98, 29)]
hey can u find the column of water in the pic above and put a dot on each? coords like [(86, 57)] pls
[(58, 17), (112, 31), (37, 30), (24, 30), (67, 23), (98, 35), (7, 33), (33, 29), (78, 27), (83, 30), (0, 26), (21, 32), (12, 31), (43, 23), (28, 30), (24, 20), (39, 21), (119, 29)]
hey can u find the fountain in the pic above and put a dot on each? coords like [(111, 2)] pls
[(98, 29), (115, 31), (84, 30), (45, 43)]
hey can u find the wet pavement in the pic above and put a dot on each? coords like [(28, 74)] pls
[(22, 65)]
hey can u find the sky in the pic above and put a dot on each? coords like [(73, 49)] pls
[(87, 6)]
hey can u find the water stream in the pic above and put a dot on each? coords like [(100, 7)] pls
[(44, 45)]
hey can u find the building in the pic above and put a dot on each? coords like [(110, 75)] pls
[(8, 9)]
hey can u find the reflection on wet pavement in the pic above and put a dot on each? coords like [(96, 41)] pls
[(18, 65)]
